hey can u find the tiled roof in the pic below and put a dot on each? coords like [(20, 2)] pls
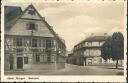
[(11, 8), (11, 15), (96, 38)]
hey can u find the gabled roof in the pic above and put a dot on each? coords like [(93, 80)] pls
[(43, 20), (49, 27)]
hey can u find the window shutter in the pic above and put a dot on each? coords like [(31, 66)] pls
[(52, 43), (36, 25), (30, 41), (14, 41), (27, 26), (44, 43), (39, 42), (24, 42)]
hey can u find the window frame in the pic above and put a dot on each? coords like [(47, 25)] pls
[(32, 26), (34, 44), (25, 60), (48, 43), (19, 42)]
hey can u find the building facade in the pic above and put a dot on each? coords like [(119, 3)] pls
[(88, 52), (31, 41)]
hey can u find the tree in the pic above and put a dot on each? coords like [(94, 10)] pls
[(113, 48), (117, 47), (106, 50)]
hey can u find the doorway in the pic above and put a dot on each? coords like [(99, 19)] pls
[(19, 62)]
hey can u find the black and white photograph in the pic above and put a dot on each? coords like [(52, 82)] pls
[(64, 39)]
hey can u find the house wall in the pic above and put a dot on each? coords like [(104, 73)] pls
[(41, 29), (10, 46), (90, 52)]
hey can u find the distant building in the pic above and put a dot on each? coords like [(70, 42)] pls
[(88, 52), (70, 57), (30, 40)]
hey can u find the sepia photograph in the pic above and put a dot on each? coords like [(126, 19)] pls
[(69, 39)]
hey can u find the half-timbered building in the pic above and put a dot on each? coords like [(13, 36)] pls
[(29, 41)]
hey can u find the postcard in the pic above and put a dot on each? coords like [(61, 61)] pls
[(63, 41)]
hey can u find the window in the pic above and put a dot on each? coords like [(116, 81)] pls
[(25, 60), (18, 41), (32, 26), (19, 50), (34, 42), (48, 43), (31, 11), (48, 59)]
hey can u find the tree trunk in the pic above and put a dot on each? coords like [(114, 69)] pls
[(116, 64)]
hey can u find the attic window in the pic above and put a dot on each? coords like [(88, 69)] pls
[(31, 11), (31, 26)]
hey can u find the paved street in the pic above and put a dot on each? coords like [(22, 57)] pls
[(88, 70), (73, 70)]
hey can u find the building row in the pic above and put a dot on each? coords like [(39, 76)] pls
[(88, 52), (30, 41)]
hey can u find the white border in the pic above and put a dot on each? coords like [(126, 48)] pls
[(62, 78)]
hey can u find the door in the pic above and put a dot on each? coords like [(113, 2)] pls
[(19, 62), (49, 56)]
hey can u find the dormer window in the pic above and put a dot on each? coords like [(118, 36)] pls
[(31, 11)]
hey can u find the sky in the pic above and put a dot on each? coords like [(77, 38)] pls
[(76, 21)]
